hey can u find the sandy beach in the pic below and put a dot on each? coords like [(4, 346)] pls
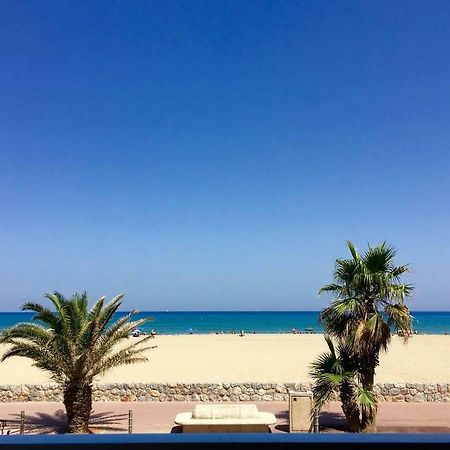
[(264, 358)]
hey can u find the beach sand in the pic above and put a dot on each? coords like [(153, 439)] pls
[(262, 358)]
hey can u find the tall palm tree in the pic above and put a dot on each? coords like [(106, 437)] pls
[(75, 344), (368, 306)]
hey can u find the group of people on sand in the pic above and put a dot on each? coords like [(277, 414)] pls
[(307, 331), (404, 334), (137, 332), (241, 333)]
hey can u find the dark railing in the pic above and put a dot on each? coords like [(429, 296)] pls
[(228, 442)]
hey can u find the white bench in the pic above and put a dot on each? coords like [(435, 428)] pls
[(225, 419)]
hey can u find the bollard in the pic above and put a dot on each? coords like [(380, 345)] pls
[(22, 422), (316, 420), (130, 421)]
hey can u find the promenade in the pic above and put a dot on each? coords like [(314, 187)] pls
[(157, 417)]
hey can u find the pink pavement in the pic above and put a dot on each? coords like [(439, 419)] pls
[(155, 417)]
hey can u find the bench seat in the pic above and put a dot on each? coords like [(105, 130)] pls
[(225, 419)]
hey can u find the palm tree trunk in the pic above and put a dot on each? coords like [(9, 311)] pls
[(369, 415), (78, 403), (349, 407)]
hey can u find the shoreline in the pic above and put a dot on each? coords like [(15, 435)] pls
[(318, 331), (180, 323)]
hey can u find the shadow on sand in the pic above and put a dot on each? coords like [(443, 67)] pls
[(42, 423), (282, 421), (333, 421), (329, 422)]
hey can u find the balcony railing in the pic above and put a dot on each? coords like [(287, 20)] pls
[(228, 442)]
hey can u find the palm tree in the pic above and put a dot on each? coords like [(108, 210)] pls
[(368, 306), (75, 344), (336, 371)]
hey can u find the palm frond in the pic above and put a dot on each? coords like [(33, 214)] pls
[(43, 315), (128, 355), (366, 399), (330, 372), (353, 250), (333, 287), (43, 357), (28, 331), (399, 318)]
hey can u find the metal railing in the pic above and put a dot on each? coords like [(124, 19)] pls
[(228, 442)]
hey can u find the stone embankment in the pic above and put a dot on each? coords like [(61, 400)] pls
[(219, 392)]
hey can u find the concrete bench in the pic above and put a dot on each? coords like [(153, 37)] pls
[(225, 419)]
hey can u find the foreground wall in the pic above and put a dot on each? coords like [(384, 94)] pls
[(221, 392)]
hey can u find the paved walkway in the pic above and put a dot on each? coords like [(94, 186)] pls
[(153, 417)]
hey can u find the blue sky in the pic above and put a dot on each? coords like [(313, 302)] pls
[(218, 154)]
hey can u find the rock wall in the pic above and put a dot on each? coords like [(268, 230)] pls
[(219, 392)]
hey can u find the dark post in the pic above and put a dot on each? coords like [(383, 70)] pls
[(316, 420), (22, 422), (130, 421)]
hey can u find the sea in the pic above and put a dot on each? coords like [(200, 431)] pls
[(206, 322)]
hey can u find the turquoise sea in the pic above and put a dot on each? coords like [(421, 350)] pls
[(203, 322)]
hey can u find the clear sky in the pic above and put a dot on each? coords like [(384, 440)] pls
[(218, 154)]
